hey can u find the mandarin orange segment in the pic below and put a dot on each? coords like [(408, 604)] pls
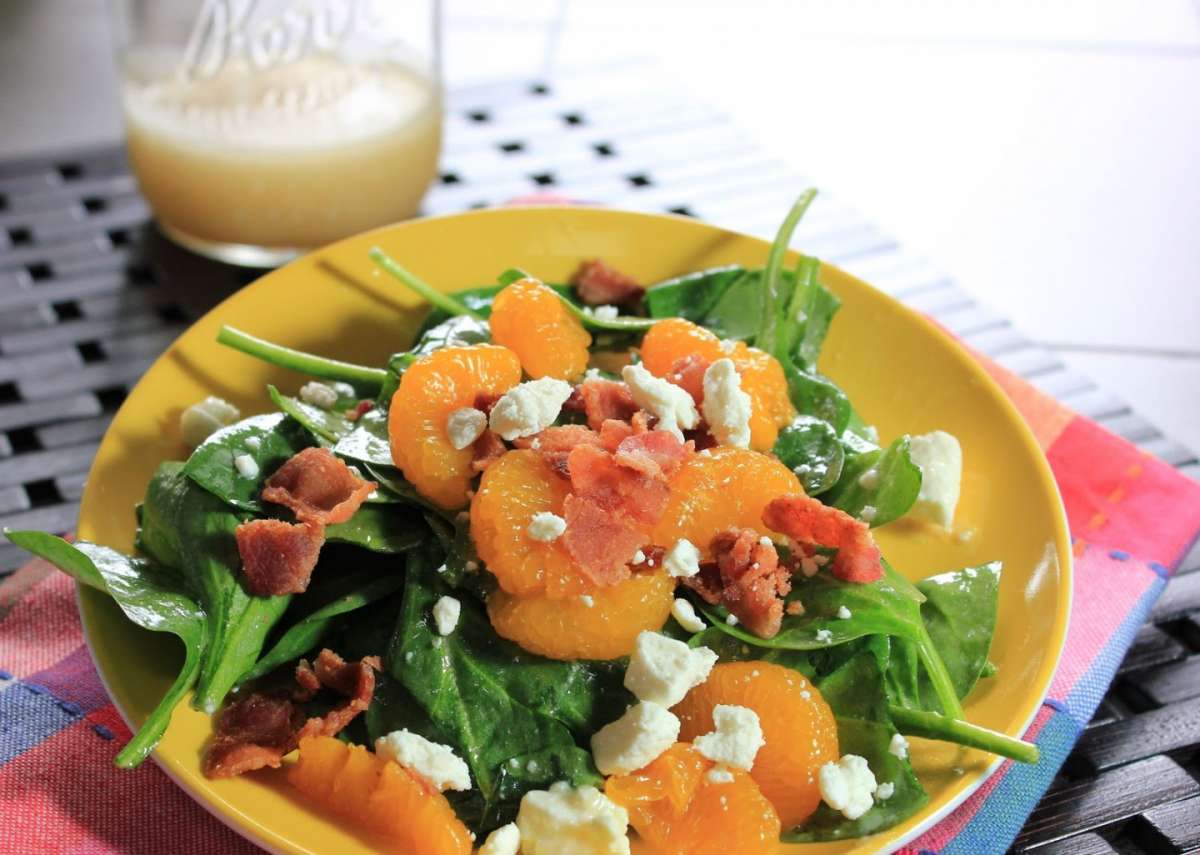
[(798, 727), (533, 321), (677, 809), (724, 488), (380, 796), (513, 489), (431, 389), (762, 376), (603, 623)]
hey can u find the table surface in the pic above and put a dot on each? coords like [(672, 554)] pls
[(89, 294)]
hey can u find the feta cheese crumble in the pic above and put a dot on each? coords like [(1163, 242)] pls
[(843, 613), (671, 405), (505, 840), (885, 791), (736, 738), (546, 527), (639, 557), (587, 600), (848, 786), (319, 395), (685, 615), (245, 465), (682, 559), (731, 619), (869, 480), (436, 763), (445, 614), (939, 456), (464, 426), (868, 513), (720, 775), (204, 418), (663, 670), (529, 408), (898, 746), (824, 636), (567, 821), (726, 407), (634, 740), (606, 312), (253, 443)]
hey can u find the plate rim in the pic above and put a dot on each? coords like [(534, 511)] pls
[(251, 830)]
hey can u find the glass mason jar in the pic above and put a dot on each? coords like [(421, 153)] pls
[(259, 129)]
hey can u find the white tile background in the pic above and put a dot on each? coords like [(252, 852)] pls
[(1043, 153)]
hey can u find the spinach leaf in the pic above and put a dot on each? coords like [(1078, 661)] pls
[(269, 440), (381, 528), (392, 483), (810, 447), (509, 713), (367, 441), (692, 296), (186, 527), (774, 333), (451, 331), (814, 306), (326, 426), (813, 394), (891, 490), (508, 277), (149, 596), (306, 634)]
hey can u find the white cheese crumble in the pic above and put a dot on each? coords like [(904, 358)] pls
[(728, 345), (529, 408), (732, 619), (204, 418), (606, 312), (869, 480), (587, 600), (736, 738), (436, 763), (898, 746), (939, 456), (464, 426), (848, 786), (682, 559), (672, 406), (843, 613), (445, 614), (319, 395), (566, 821), (634, 740), (720, 775), (868, 513), (253, 443), (824, 636), (546, 527), (505, 840), (246, 466), (885, 791), (726, 407), (639, 557), (663, 670), (685, 615)]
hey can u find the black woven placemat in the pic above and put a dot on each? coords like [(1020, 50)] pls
[(90, 294)]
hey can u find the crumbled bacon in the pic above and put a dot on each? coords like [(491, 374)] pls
[(359, 410), (808, 522), (688, 374), (600, 541), (653, 453), (257, 730), (554, 444), (602, 400), (752, 581), (599, 284), (619, 489), (484, 401), (317, 487), (278, 557), (487, 450)]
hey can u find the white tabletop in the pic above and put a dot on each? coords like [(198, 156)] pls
[(1043, 154)]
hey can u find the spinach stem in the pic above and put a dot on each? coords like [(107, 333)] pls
[(943, 686), (414, 283), (306, 363), (766, 337), (931, 725)]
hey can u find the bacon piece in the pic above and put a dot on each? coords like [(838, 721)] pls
[(599, 284), (256, 731), (554, 444), (653, 453), (487, 450), (688, 374), (619, 489), (808, 522), (752, 580), (359, 410), (486, 400), (601, 542), (606, 399), (278, 557), (706, 583), (318, 487)]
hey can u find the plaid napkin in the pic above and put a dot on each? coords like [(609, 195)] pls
[(1133, 518)]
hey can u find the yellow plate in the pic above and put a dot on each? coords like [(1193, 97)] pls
[(903, 374)]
